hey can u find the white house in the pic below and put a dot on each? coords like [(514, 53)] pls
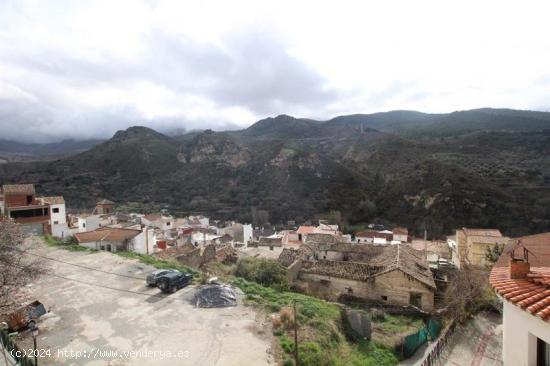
[(58, 215), (108, 239), (400, 235), (145, 242), (521, 277), (88, 222)]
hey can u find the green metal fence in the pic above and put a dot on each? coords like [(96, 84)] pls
[(413, 341)]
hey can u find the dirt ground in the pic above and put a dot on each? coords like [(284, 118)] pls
[(102, 313)]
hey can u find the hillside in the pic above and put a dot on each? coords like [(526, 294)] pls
[(472, 168), (12, 151)]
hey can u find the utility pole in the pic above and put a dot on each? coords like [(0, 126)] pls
[(296, 360)]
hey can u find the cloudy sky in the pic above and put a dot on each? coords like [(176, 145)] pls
[(86, 69)]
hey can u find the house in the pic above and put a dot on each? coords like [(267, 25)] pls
[(88, 222), (104, 207), (58, 215), (521, 277), (472, 244), (160, 222), (109, 239), (241, 233), (373, 237), (386, 274), (433, 250), (303, 231), (20, 203), (400, 234)]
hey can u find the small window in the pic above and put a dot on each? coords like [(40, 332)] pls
[(56, 222), (385, 298), (415, 299), (83, 224), (55, 210)]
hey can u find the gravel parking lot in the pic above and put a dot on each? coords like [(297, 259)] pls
[(102, 313)]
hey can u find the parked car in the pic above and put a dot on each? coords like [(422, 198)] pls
[(171, 282), (152, 279)]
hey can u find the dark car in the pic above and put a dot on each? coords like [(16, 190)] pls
[(153, 277), (172, 281)]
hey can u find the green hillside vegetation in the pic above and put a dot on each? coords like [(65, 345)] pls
[(481, 168)]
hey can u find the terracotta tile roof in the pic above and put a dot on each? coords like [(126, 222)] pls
[(55, 200), (18, 189), (306, 229), (105, 202), (375, 261), (532, 294), (107, 234), (321, 238), (400, 231)]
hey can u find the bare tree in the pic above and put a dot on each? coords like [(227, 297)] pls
[(17, 267), (468, 293)]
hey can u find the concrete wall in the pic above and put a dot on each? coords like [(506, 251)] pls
[(247, 233), (144, 243), (520, 332), (115, 246), (89, 223), (60, 217), (395, 285), (293, 271)]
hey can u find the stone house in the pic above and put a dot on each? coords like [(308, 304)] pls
[(392, 274)]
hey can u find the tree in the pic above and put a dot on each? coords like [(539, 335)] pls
[(17, 267), (493, 253), (469, 292)]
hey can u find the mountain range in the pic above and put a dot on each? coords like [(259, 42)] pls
[(476, 168)]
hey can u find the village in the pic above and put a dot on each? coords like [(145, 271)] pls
[(382, 268)]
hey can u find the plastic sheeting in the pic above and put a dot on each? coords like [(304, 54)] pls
[(215, 296)]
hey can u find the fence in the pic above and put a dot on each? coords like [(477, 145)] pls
[(10, 347), (413, 341), (435, 354)]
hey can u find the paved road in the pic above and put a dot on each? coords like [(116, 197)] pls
[(135, 325), (478, 343)]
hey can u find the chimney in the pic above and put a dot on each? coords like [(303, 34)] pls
[(519, 268)]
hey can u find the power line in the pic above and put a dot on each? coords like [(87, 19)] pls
[(103, 286), (84, 267)]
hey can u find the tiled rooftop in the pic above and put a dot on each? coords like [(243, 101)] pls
[(533, 292)]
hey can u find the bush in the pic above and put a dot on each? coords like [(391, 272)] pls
[(266, 272)]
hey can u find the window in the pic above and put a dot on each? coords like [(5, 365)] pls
[(385, 298), (84, 225), (56, 222), (415, 299), (543, 353), (55, 210)]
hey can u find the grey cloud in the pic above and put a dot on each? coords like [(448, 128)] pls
[(254, 72)]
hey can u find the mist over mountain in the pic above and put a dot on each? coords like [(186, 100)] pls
[(485, 167)]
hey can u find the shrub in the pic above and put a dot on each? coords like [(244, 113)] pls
[(266, 272)]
